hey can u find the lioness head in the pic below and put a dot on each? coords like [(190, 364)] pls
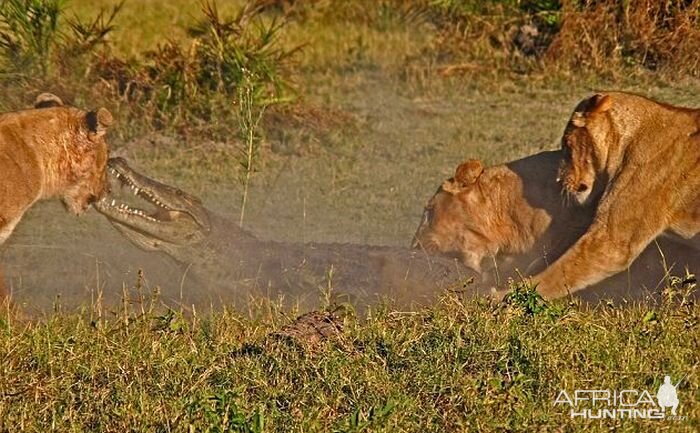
[(89, 172), (454, 220), (76, 154), (584, 145)]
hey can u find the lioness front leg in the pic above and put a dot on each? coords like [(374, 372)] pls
[(609, 246)]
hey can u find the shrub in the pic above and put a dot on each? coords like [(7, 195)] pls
[(596, 36), (34, 44), (607, 36), (200, 82)]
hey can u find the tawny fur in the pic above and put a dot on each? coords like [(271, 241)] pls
[(510, 211), (640, 160), (511, 220), (54, 152)]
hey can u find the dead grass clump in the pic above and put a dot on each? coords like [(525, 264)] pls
[(477, 38), (609, 37), (605, 37)]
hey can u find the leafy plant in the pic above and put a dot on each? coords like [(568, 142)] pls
[(525, 297), (28, 33), (34, 43), (219, 412), (202, 82), (85, 36), (360, 420), (240, 50)]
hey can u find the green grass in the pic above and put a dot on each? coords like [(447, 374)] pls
[(458, 366)]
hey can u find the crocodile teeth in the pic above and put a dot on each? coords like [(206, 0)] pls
[(145, 193)]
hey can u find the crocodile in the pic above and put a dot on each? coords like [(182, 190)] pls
[(219, 251)]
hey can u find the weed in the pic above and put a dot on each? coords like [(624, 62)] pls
[(524, 297), (361, 420), (171, 321), (249, 116), (29, 34), (220, 413)]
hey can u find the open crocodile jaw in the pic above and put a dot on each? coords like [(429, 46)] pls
[(169, 221)]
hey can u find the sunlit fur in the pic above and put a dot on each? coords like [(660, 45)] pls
[(449, 226), (578, 172), (505, 211), (56, 151), (641, 160), (582, 159)]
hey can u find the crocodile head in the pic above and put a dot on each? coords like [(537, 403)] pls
[(174, 221)]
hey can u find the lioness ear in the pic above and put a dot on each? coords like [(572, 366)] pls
[(594, 105), (468, 172), (98, 122), (46, 100), (602, 104)]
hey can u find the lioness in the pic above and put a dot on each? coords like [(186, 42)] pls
[(52, 151), (640, 160), (511, 218), (510, 213)]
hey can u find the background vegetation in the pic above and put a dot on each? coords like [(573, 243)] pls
[(186, 74), (367, 105)]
